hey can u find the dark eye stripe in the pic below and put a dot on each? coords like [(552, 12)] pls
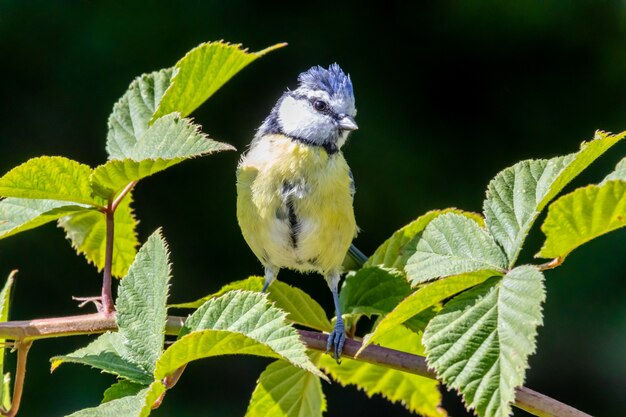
[(313, 101)]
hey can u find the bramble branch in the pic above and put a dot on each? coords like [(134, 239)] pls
[(30, 330)]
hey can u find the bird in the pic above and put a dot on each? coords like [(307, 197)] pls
[(295, 190)]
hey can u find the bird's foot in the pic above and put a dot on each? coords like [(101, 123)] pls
[(337, 338)]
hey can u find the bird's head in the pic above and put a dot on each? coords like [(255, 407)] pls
[(321, 110)]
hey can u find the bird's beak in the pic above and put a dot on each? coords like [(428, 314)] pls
[(347, 123)]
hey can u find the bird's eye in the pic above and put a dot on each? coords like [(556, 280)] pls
[(320, 105)]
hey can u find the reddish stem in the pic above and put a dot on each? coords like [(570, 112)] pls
[(20, 375)]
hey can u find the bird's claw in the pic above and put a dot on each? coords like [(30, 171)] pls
[(337, 338)]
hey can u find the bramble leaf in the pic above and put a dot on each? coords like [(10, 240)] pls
[(480, 342), (138, 405), (21, 214), (300, 307), (238, 322), (51, 178), (286, 391), (132, 352), (87, 232), (453, 244), (373, 291), (109, 354), (132, 113), (396, 251), (141, 303), (581, 216), (418, 394), (169, 141), (122, 388), (6, 391), (5, 300), (517, 195), (618, 174), (425, 297), (201, 72)]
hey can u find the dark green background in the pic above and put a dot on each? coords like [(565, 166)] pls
[(488, 84)]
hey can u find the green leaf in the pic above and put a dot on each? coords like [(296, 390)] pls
[(480, 342), (581, 216), (418, 394), (139, 405), (453, 244), (86, 230), (286, 391), (396, 251), (132, 352), (5, 299), (201, 72), (132, 113), (6, 391), (21, 214), (517, 195), (618, 174), (51, 178), (167, 142), (108, 354), (122, 388), (373, 291), (141, 303), (238, 322), (425, 297), (300, 307)]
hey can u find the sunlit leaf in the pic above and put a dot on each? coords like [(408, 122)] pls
[(132, 113), (418, 394), (21, 214), (373, 290), (108, 354), (286, 391), (169, 141), (453, 244), (201, 72), (141, 303), (138, 405), (122, 388), (5, 299), (425, 297), (86, 230), (51, 178), (238, 322), (517, 195), (480, 342), (618, 174), (396, 251), (300, 307), (583, 215)]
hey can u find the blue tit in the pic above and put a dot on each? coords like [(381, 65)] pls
[(294, 187)]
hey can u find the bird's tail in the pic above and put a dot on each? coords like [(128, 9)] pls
[(354, 259)]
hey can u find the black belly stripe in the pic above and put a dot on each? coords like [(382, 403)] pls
[(293, 223)]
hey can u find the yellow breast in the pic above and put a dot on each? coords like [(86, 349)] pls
[(294, 205)]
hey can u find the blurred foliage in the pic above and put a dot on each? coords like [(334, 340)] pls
[(495, 83)]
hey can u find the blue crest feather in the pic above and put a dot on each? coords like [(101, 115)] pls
[(332, 80)]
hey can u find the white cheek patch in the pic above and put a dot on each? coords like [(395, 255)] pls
[(294, 115)]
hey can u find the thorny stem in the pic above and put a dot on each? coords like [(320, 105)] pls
[(107, 279), (30, 330), (20, 374)]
